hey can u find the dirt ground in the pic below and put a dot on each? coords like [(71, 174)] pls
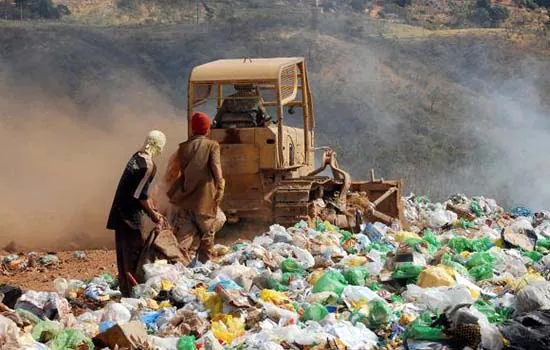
[(101, 261), (70, 267)]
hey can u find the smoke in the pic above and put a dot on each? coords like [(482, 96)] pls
[(61, 163)]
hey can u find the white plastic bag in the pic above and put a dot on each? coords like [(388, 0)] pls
[(353, 295), (354, 337), (116, 313), (437, 298)]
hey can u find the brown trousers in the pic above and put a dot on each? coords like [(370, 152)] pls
[(196, 233), (129, 244)]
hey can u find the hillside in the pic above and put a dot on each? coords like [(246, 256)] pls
[(448, 111)]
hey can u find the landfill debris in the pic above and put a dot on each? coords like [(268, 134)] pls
[(459, 273)]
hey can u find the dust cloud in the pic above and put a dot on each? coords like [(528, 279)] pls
[(61, 164)]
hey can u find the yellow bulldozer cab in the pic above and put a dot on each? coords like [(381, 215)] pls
[(281, 82)]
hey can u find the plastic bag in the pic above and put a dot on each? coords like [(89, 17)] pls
[(227, 328), (544, 243), (117, 313), (212, 302), (481, 258), (356, 276), (44, 331), (292, 266), (403, 236), (379, 312), (533, 255), (10, 334), (482, 272), (533, 297), (187, 342), (447, 261), (274, 297), (226, 284), (407, 271), (353, 336), (109, 279), (461, 244), (356, 297), (276, 285), (70, 339), (331, 281), (438, 298), (314, 312), (491, 312), (436, 276), (421, 329)]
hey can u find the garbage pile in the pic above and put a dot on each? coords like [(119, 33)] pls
[(15, 263), (463, 273)]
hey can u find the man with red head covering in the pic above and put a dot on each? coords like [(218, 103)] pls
[(198, 191)]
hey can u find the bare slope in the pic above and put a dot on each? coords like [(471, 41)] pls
[(447, 113)]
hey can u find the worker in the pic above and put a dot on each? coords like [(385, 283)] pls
[(131, 200), (245, 108), (198, 192)]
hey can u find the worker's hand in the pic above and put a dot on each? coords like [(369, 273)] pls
[(156, 217)]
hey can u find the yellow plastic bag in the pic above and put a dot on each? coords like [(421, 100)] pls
[(329, 226), (437, 276), (227, 328), (402, 236), (354, 261), (274, 297), (166, 285), (528, 279), (212, 302)]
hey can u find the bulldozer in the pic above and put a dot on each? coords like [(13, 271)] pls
[(268, 151)]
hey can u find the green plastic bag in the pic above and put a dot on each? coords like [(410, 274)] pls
[(70, 339), (406, 271), (422, 332), (44, 331), (481, 245), (482, 272), (28, 316), (396, 298), (276, 285), (331, 281), (533, 255), (110, 279), (292, 266), (379, 312), (460, 244), (356, 276), (383, 248), (493, 315), (289, 277), (374, 286), (411, 242), (187, 342), (314, 312), (447, 260), (421, 329), (545, 243), (465, 224), (481, 258), (476, 208), (431, 238)]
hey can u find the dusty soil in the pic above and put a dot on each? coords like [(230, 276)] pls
[(70, 267), (101, 261)]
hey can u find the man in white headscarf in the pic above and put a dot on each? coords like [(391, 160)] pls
[(131, 201)]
